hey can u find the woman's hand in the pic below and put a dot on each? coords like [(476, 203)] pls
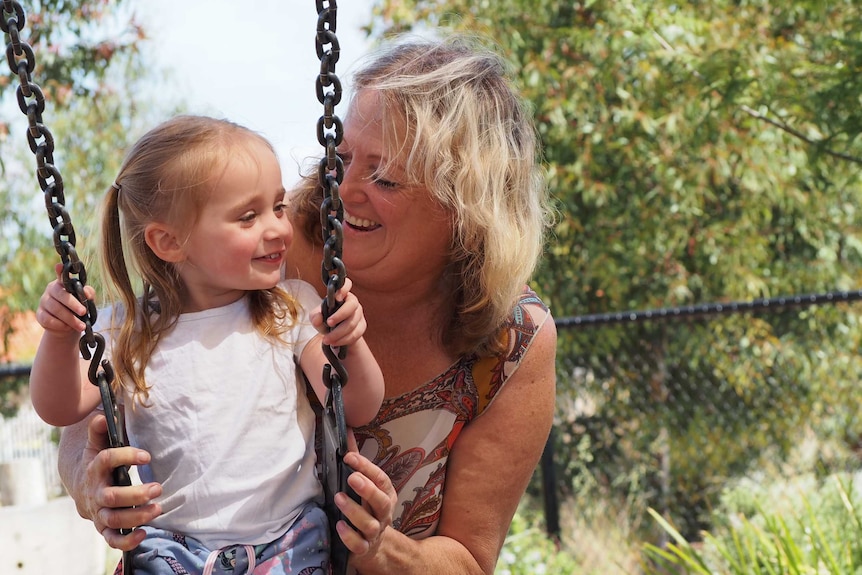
[(110, 507), (374, 516)]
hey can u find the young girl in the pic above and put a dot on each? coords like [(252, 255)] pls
[(205, 354)]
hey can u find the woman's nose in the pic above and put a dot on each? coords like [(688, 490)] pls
[(350, 184)]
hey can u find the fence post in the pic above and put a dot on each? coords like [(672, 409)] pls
[(549, 489)]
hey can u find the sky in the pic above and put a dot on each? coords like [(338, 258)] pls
[(255, 63)]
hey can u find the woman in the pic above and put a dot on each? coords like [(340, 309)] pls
[(444, 219)]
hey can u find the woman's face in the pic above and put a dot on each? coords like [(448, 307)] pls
[(395, 233)]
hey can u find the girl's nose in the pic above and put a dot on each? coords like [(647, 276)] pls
[(279, 227)]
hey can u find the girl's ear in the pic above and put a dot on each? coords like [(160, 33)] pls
[(164, 242)]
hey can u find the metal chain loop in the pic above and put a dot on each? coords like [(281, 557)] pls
[(31, 101), (330, 174)]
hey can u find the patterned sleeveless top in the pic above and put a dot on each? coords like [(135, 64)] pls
[(412, 435)]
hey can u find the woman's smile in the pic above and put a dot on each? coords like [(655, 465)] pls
[(361, 224)]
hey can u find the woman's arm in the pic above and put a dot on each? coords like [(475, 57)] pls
[(488, 471), (86, 463)]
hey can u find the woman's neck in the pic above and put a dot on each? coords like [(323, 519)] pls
[(405, 335), (405, 321)]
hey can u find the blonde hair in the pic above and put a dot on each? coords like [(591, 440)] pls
[(167, 177), (472, 144)]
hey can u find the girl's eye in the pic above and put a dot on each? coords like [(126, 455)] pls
[(248, 217), (279, 208)]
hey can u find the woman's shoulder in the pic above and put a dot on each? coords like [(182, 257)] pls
[(529, 296), (528, 317), (529, 336)]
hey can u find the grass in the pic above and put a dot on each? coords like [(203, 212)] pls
[(811, 531)]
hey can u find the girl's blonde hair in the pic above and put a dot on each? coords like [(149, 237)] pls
[(472, 144), (167, 177)]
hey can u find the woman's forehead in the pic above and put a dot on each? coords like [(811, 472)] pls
[(366, 110), (372, 121)]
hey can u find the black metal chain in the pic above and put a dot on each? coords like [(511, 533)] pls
[(330, 174), (31, 101), (732, 307)]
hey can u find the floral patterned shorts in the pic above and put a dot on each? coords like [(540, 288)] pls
[(303, 550)]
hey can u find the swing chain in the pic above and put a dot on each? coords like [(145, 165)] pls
[(31, 101), (330, 173), (331, 168)]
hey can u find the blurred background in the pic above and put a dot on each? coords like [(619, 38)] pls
[(704, 267)]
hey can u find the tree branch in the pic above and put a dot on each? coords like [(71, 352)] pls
[(797, 134), (758, 116)]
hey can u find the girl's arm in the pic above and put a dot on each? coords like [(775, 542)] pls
[(363, 392), (59, 386)]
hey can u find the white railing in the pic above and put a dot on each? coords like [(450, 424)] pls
[(25, 436)]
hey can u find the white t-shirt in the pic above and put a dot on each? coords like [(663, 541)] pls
[(229, 427)]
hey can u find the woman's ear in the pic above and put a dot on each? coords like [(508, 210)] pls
[(164, 243)]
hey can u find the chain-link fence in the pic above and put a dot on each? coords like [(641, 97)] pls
[(667, 408)]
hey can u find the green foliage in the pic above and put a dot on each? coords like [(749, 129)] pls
[(809, 528), (698, 151), (77, 61), (528, 550), (662, 414), (91, 68), (10, 391)]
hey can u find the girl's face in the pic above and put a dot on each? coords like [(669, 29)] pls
[(242, 233), (395, 233)]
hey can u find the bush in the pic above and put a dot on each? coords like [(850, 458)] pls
[(529, 551), (799, 527)]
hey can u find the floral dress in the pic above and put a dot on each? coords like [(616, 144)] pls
[(412, 435)]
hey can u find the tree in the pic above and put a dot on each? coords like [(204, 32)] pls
[(698, 152)]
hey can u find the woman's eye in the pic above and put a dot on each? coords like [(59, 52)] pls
[(387, 184)]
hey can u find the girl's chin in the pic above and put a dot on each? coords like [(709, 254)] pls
[(268, 282)]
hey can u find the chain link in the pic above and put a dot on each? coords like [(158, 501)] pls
[(732, 307), (330, 174), (31, 101)]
